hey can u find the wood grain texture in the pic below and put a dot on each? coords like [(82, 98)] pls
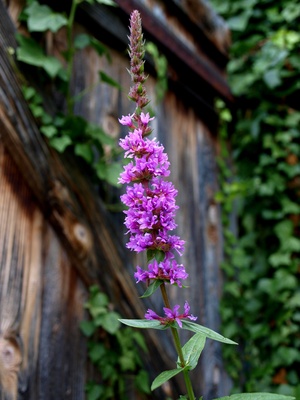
[(87, 244), (41, 299), (84, 228)]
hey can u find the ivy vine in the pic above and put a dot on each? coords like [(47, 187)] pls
[(98, 152), (261, 301), (112, 349)]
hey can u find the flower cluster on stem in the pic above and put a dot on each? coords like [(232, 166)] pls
[(150, 199)]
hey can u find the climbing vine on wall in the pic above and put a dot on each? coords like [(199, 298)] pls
[(64, 130), (261, 302)]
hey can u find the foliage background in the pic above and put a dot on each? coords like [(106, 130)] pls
[(260, 307)]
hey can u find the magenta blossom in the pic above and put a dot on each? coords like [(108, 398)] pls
[(126, 120), (145, 118), (167, 270), (171, 315)]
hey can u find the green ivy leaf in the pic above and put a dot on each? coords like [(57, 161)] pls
[(52, 66), (141, 381), (85, 151), (31, 53), (81, 41), (87, 327), (164, 377), (95, 392), (111, 322), (113, 171), (60, 143), (41, 18), (209, 333), (49, 131), (272, 78)]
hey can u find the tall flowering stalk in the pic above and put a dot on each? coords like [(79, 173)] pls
[(150, 199), (150, 220)]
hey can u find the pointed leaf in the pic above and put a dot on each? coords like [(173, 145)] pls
[(159, 255), (152, 288), (143, 323), (107, 2), (191, 326), (110, 81), (192, 350), (164, 377), (150, 255), (256, 396)]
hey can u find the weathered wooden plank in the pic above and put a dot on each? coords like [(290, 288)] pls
[(41, 300), (67, 200)]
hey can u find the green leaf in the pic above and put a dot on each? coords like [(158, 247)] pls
[(143, 323), (31, 53), (41, 18), (272, 78), (164, 377), (256, 396), (49, 130), (95, 392), (191, 326), (158, 255), (98, 299), (111, 322), (60, 143), (152, 288), (97, 133), (88, 328), (85, 151), (113, 171), (96, 351), (141, 381), (107, 2), (110, 81), (52, 66), (239, 22), (192, 350), (100, 48), (108, 172), (81, 41)]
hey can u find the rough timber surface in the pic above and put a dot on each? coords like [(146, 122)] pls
[(62, 239)]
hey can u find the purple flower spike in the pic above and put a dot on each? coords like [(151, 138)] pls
[(149, 197)]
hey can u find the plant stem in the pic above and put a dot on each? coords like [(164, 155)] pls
[(178, 347), (70, 55)]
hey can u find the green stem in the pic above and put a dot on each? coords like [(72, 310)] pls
[(70, 55), (178, 347)]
